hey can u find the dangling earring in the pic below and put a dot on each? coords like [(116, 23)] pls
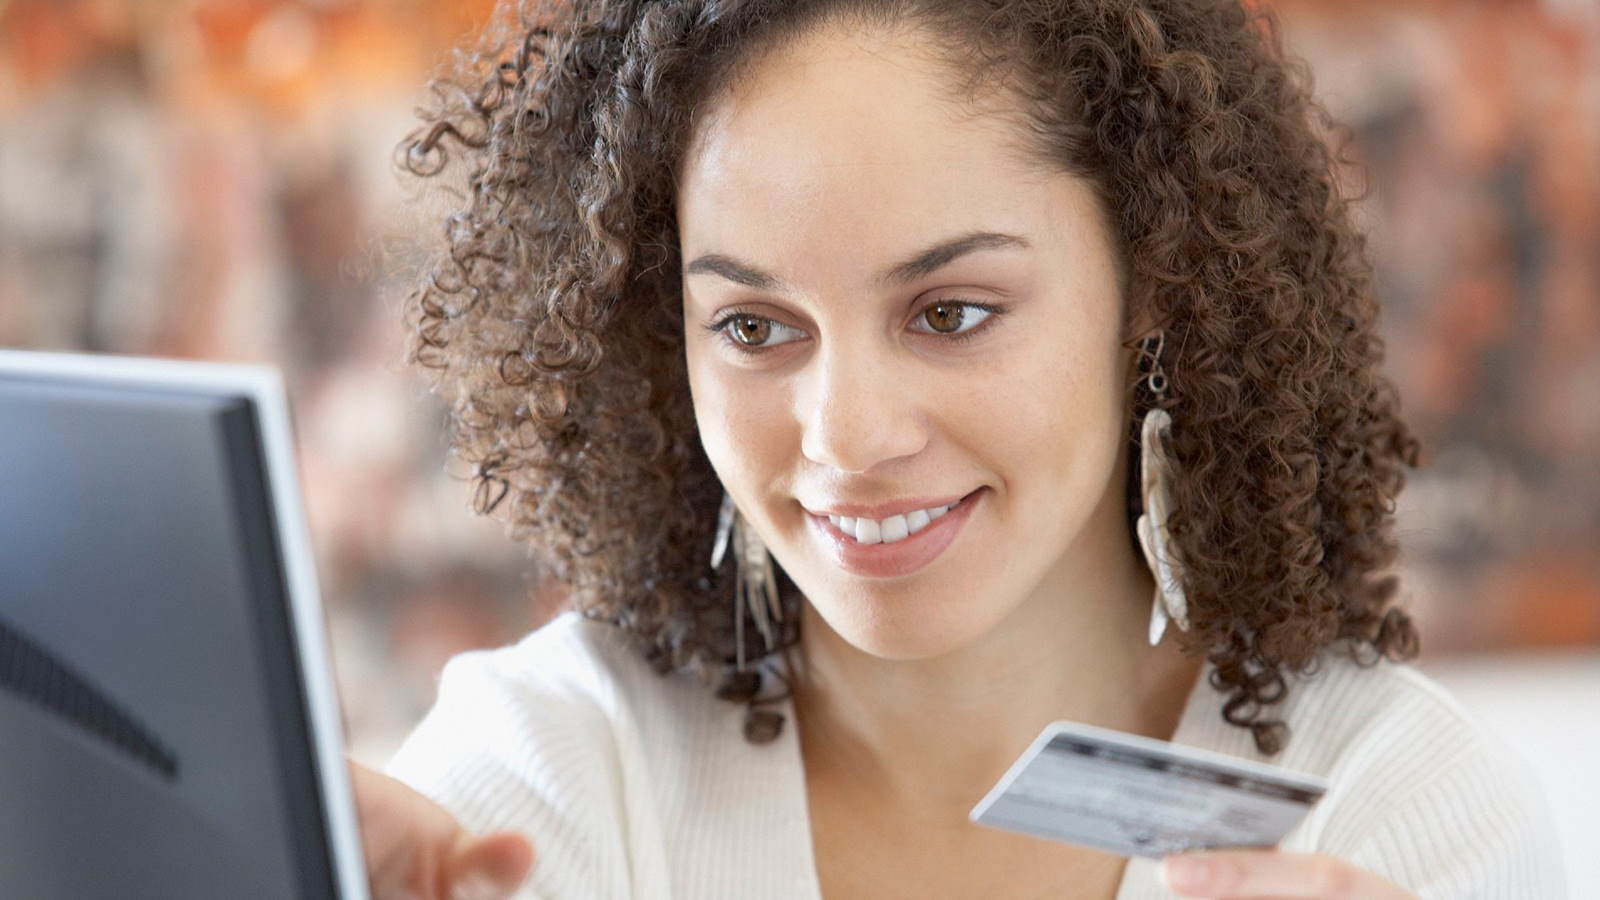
[(755, 586), (1154, 477)]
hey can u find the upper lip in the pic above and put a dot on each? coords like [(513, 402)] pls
[(881, 510)]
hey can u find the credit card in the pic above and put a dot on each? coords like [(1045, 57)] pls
[(1138, 796)]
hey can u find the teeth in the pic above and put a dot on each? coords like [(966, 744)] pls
[(887, 531), (868, 531)]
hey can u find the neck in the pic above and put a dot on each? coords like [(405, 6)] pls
[(933, 735)]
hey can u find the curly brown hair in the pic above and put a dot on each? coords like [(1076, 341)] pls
[(552, 319)]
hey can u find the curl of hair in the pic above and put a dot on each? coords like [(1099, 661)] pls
[(551, 319)]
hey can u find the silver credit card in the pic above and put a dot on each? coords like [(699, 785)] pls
[(1137, 796)]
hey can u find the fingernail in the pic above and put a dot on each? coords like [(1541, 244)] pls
[(1185, 875)]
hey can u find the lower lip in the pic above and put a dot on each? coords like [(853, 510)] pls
[(903, 556)]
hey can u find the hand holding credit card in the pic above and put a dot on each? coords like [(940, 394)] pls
[(1137, 796)]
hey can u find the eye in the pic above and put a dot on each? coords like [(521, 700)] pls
[(749, 332), (954, 319)]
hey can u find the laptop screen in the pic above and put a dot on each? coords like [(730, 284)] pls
[(167, 726)]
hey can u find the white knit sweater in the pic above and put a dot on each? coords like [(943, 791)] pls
[(634, 785)]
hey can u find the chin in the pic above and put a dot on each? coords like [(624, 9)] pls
[(904, 634)]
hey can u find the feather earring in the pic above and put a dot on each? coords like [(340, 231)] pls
[(1169, 602), (755, 585)]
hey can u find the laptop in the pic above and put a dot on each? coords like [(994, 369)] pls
[(168, 721)]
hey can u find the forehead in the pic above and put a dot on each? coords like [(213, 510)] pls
[(853, 141)]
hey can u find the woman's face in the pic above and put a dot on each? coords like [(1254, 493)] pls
[(910, 316)]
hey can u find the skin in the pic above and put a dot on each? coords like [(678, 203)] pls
[(1254, 874)]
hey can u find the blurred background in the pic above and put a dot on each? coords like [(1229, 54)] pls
[(212, 179)]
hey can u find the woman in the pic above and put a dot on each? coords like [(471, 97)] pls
[(1033, 342)]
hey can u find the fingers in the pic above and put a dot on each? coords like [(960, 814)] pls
[(1247, 874), (491, 867), (403, 834), (415, 848)]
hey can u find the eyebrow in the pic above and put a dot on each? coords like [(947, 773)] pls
[(924, 262)]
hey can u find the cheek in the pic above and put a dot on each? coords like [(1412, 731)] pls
[(1049, 419), (742, 422)]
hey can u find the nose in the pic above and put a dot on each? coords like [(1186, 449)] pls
[(860, 410)]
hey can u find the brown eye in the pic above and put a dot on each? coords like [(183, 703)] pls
[(752, 330), (944, 317), (749, 333), (949, 318)]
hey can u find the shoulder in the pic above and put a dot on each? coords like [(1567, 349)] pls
[(1345, 716), (1343, 707), (1422, 790), (572, 666), (572, 682), (556, 680), (1388, 727), (570, 657)]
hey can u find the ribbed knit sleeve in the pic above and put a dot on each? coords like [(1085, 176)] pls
[(509, 746), (1471, 821)]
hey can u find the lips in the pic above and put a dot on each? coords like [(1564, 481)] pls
[(881, 511), (902, 557)]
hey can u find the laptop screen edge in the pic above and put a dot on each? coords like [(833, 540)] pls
[(263, 384)]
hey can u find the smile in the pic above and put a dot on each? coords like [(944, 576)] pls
[(882, 557)]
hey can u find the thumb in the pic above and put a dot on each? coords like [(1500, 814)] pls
[(489, 867)]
